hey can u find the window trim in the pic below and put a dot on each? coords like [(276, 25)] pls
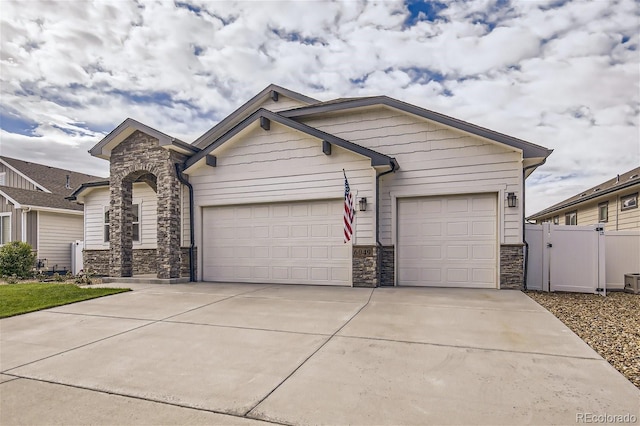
[(2, 216), (568, 215), (3, 178), (604, 204), (629, 197), (106, 224), (139, 222)]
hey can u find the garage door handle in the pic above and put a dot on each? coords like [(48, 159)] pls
[(549, 245)]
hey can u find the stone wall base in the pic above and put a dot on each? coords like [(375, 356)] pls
[(370, 271), (145, 261), (512, 266)]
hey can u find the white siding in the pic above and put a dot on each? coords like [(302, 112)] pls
[(185, 216), (433, 160), (283, 165), (56, 233), (95, 203)]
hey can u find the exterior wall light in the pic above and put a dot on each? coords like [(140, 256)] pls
[(363, 204), (511, 199)]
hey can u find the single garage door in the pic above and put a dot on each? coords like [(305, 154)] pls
[(286, 243), (448, 241)]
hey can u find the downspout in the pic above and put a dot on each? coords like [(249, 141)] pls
[(524, 240), (378, 243), (184, 181)]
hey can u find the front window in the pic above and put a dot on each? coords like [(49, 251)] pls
[(603, 212), (135, 211), (106, 224), (5, 228), (571, 218), (629, 202)]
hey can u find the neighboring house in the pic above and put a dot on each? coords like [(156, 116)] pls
[(260, 197), (33, 209), (614, 203)]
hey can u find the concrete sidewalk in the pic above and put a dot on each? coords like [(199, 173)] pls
[(243, 353)]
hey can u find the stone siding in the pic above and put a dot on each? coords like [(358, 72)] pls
[(388, 266), (96, 261), (364, 266), (144, 261), (511, 266)]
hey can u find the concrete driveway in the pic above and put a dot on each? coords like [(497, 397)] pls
[(245, 354)]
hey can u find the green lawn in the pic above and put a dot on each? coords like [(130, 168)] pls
[(16, 299)]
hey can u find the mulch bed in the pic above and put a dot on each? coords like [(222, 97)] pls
[(610, 325)]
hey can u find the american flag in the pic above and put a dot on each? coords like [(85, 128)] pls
[(348, 211)]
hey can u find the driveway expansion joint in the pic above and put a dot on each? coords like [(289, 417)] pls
[(412, 342), (141, 398), (310, 356)]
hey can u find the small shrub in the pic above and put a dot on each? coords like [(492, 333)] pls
[(58, 278), (68, 276), (16, 258), (11, 279)]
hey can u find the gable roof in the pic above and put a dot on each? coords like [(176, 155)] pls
[(22, 198), (529, 150), (618, 183), (377, 159), (47, 178), (245, 110), (103, 148)]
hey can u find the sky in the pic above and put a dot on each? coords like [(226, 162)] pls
[(558, 73)]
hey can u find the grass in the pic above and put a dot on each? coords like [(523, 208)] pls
[(16, 299)]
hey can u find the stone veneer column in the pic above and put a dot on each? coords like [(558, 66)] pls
[(169, 253), (511, 266), (120, 228), (137, 157)]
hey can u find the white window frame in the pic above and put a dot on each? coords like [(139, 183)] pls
[(3, 178), (603, 207), (106, 226), (2, 230), (571, 216), (139, 222)]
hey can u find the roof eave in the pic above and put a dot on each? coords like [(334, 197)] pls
[(591, 197), (529, 150), (240, 114)]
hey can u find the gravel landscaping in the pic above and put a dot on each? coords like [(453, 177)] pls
[(610, 325)]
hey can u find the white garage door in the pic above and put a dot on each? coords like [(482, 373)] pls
[(448, 241), (288, 243)]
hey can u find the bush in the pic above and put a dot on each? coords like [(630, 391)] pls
[(16, 258)]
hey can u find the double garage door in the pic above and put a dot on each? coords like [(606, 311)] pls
[(288, 243), (444, 241), (447, 241)]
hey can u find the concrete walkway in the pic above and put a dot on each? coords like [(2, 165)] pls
[(246, 354)]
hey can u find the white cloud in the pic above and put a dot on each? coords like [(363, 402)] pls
[(563, 76)]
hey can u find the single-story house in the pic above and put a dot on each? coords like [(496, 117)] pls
[(613, 202), (33, 209), (259, 198)]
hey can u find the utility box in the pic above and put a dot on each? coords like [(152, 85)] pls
[(77, 263), (631, 283)]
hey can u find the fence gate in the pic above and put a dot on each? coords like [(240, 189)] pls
[(566, 258)]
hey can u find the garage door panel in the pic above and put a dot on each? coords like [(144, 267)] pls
[(448, 241), (297, 243)]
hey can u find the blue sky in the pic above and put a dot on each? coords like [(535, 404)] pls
[(563, 74)]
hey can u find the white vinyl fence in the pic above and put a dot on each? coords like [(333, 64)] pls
[(622, 256), (570, 258), (580, 258)]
